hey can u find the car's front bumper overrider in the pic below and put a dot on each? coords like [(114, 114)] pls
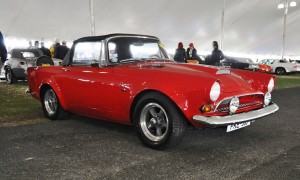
[(216, 121)]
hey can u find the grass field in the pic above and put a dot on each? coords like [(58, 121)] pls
[(288, 81), (18, 108)]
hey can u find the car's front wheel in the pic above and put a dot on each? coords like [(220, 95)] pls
[(9, 76), (158, 121), (51, 105)]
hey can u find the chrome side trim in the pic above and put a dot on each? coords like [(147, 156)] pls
[(215, 121)]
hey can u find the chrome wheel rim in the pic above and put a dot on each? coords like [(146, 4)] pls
[(280, 71), (154, 122), (8, 76), (50, 101)]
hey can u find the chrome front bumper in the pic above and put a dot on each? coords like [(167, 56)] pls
[(215, 121)]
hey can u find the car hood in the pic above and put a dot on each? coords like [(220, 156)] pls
[(231, 80)]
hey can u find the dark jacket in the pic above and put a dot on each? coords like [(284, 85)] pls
[(180, 55), (3, 51), (45, 51), (60, 51), (215, 57), (193, 55)]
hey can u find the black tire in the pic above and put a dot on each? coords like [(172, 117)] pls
[(280, 71), (168, 119), (51, 106), (10, 77)]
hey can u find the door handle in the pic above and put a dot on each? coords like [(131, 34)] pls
[(65, 69)]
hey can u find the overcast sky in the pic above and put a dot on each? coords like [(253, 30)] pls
[(251, 26)]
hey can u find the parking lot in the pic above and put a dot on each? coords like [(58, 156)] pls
[(82, 148)]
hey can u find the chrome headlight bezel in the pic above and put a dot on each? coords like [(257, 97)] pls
[(271, 85), (234, 105), (215, 91), (267, 98)]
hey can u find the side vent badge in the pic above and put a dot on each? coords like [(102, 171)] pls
[(223, 71)]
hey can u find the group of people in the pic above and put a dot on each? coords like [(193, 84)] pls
[(182, 55), (57, 50)]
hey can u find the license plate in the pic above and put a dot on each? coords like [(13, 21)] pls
[(237, 126)]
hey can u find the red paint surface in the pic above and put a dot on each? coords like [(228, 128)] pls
[(108, 92)]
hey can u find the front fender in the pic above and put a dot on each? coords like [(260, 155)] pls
[(54, 85), (187, 99)]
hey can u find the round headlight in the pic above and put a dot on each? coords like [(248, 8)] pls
[(234, 105), (215, 91), (271, 85), (267, 98)]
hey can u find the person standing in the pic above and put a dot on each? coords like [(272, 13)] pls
[(3, 51), (36, 44), (61, 50), (191, 52), (45, 50), (216, 55), (53, 47), (180, 55)]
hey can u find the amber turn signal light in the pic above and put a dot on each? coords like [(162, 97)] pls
[(206, 108)]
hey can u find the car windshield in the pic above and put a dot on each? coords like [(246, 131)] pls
[(135, 49), (267, 61)]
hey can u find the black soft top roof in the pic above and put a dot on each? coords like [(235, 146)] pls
[(99, 38), (16, 53)]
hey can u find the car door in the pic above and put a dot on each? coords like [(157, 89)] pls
[(86, 83)]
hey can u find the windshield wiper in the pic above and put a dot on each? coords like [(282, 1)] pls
[(129, 60), (132, 60), (155, 59)]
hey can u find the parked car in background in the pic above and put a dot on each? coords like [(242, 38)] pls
[(281, 67), (264, 68), (15, 68), (296, 61), (245, 63), (239, 63), (129, 79)]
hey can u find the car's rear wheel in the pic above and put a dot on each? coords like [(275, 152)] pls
[(51, 105), (10, 77), (159, 123), (280, 71)]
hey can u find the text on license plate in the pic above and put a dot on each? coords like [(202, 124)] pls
[(233, 127)]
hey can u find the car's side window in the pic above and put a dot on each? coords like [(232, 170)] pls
[(87, 53), (112, 51)]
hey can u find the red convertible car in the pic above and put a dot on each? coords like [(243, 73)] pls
[(129, 79)]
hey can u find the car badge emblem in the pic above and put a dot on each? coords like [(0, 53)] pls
[(223, 71)]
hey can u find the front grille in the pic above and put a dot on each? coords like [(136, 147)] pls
[(246, 102)]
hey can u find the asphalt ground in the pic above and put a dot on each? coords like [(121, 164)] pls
[(82, 148)]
